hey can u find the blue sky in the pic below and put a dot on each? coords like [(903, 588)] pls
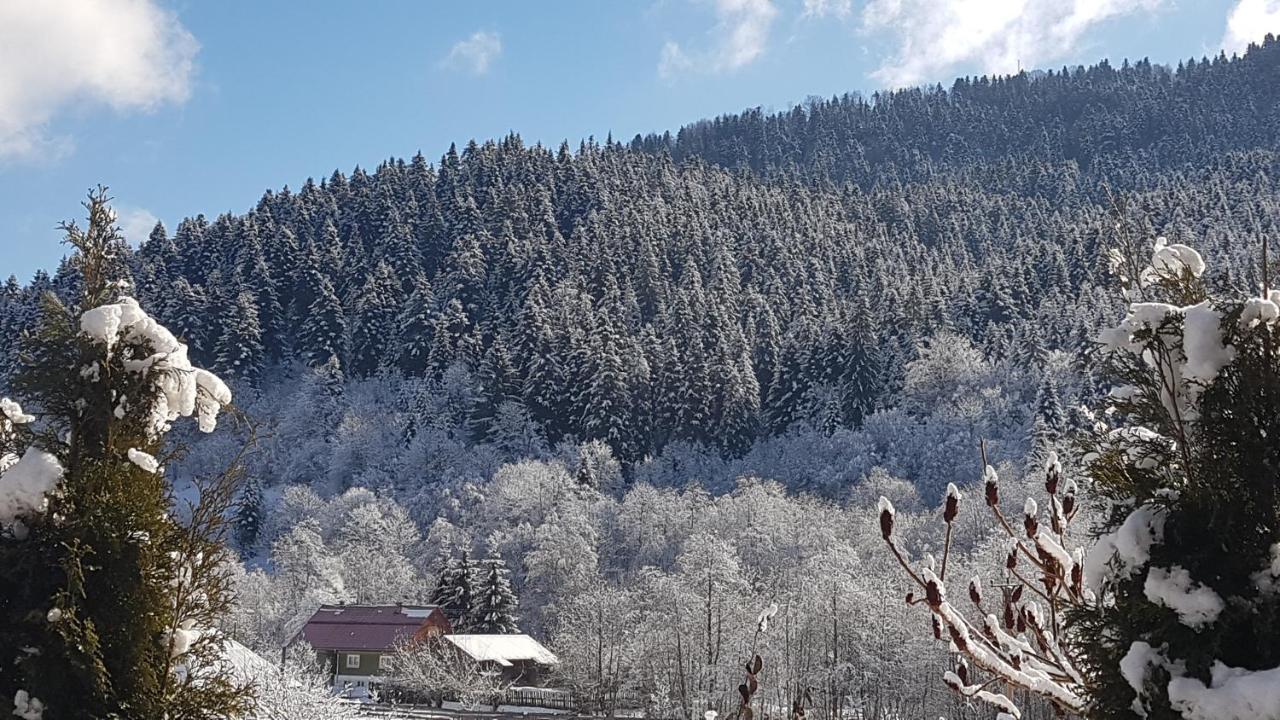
[(184, 107)]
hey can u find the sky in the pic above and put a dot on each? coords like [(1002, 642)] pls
[(184, 107)]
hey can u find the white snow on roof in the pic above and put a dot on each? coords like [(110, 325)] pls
[(503, 649), (244, 664)]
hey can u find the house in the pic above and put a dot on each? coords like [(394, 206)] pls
[(358, 642), (520, 659)]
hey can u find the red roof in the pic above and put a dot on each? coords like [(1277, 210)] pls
[(368, 627)]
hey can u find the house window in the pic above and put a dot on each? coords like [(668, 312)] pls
[(384, 663), (353, 661)]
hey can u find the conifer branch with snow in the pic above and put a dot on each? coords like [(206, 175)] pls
[(111, 599), (1185, 455)]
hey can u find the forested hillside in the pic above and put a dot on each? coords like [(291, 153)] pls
[(1122, 124), (716, 286)]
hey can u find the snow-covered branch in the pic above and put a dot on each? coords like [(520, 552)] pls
[(1022, 649)]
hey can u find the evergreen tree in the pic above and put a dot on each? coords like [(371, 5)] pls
[(413, 345), (861, 372), (12, 324), (249, 515), (377, 312), (499, 383), (256, 279), (494, 607), (239, 353), (455, 591), (1048, 423), (186, 309), (323, 334), (787, 388), (110, 604), (1049, 405), (606, 412), (449, 329), (1186, 572)]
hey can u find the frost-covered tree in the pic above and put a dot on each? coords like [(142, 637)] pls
[(493, 607), (238, 351), (514, 432), (597, 641), (299, 690), (378, 544), (307, 572), (303, 437), (249, 512), (455, 590), (377, 310), (595, 466), (434, 670), (110, 602)]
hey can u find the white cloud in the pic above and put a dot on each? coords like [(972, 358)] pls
[(475, 54), (828, 8), (1249, 22), (933, 37), (135, 224), (739, 37), (127, 54), (673, 61)]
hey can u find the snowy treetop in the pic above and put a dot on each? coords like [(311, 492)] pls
[(184, 389)]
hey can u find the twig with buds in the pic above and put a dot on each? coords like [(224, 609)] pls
[(1020, 649)]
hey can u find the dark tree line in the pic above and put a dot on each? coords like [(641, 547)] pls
[(718, 285), (1105, 120)]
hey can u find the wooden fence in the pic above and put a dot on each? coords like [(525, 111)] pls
[(541, 698)]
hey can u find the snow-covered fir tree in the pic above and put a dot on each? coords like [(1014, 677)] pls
[(376, 314), (413, 343), (322, 334), (493, 607), (249, 514), (455, 590), (238, 351)]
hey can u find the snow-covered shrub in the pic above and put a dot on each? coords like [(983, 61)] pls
[(1185, 455)]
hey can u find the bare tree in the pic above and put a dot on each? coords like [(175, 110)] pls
[(300, 690), (436, 670)]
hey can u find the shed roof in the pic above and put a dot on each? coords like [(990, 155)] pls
[(244, 664), (504, 650)]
